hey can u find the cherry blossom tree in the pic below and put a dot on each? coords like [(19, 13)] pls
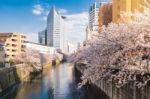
[(58, 56), (120, 52), (30, 56)]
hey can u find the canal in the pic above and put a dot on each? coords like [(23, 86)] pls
[(58, 82)]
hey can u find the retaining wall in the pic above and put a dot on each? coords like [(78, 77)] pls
[(110, 91), (12, 75)]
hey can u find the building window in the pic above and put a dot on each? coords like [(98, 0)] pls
[(22, 50), (7, 44), (23, 36), (13, 55), (14, 40), (1, 48), (14, 35), (14, 45), (23, 46), (13, 50), (22, 41), (6, 55)]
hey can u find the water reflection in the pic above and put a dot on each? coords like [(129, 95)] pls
[(57, 83)]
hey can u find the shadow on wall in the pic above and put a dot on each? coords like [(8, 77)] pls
[(8, 78), (91, 91), (2, 64)]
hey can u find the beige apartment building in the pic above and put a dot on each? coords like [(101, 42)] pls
[(111, 12), (14, 43), (129, 6)]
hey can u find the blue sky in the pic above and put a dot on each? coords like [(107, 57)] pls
[(28, 16)]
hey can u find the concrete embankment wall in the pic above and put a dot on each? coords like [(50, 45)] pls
[(128, 91), (11, 76), (20, 73)]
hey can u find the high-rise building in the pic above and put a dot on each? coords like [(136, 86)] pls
[(93, 20), (56, 30), (42, 37), (105, 14), (14, 44), (93, 17), (128, 6)]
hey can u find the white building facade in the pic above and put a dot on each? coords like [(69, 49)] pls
[(93, 17), (93, 20), (55, 30), (41, 48)]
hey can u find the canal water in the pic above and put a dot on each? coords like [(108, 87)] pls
[(58, 82)]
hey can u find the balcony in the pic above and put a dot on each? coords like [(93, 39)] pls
[(14, 45), (14, 50), (23, 46), (14, 40)]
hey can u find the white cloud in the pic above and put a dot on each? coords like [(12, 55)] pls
[(37, 9), (76, 26), (62, 11), (44, 18)]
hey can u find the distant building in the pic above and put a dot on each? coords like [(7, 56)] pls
[(56, 30), (78, 45), (87, 33), (41, 48), (71, 48), (105, 14), (93, 17), (42, 37), (14, 44), (2, 55), (93, 21)]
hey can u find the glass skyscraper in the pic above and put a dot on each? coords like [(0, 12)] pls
[(42, 37), (55, 30)]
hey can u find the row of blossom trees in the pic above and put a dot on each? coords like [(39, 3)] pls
[(35, 59), (120, 52)]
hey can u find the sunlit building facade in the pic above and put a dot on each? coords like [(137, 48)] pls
[(93, 20), (14, 44), (41, 48), (93, 17), (55, 30), (126, 6), (137, 5), (105, 14)]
